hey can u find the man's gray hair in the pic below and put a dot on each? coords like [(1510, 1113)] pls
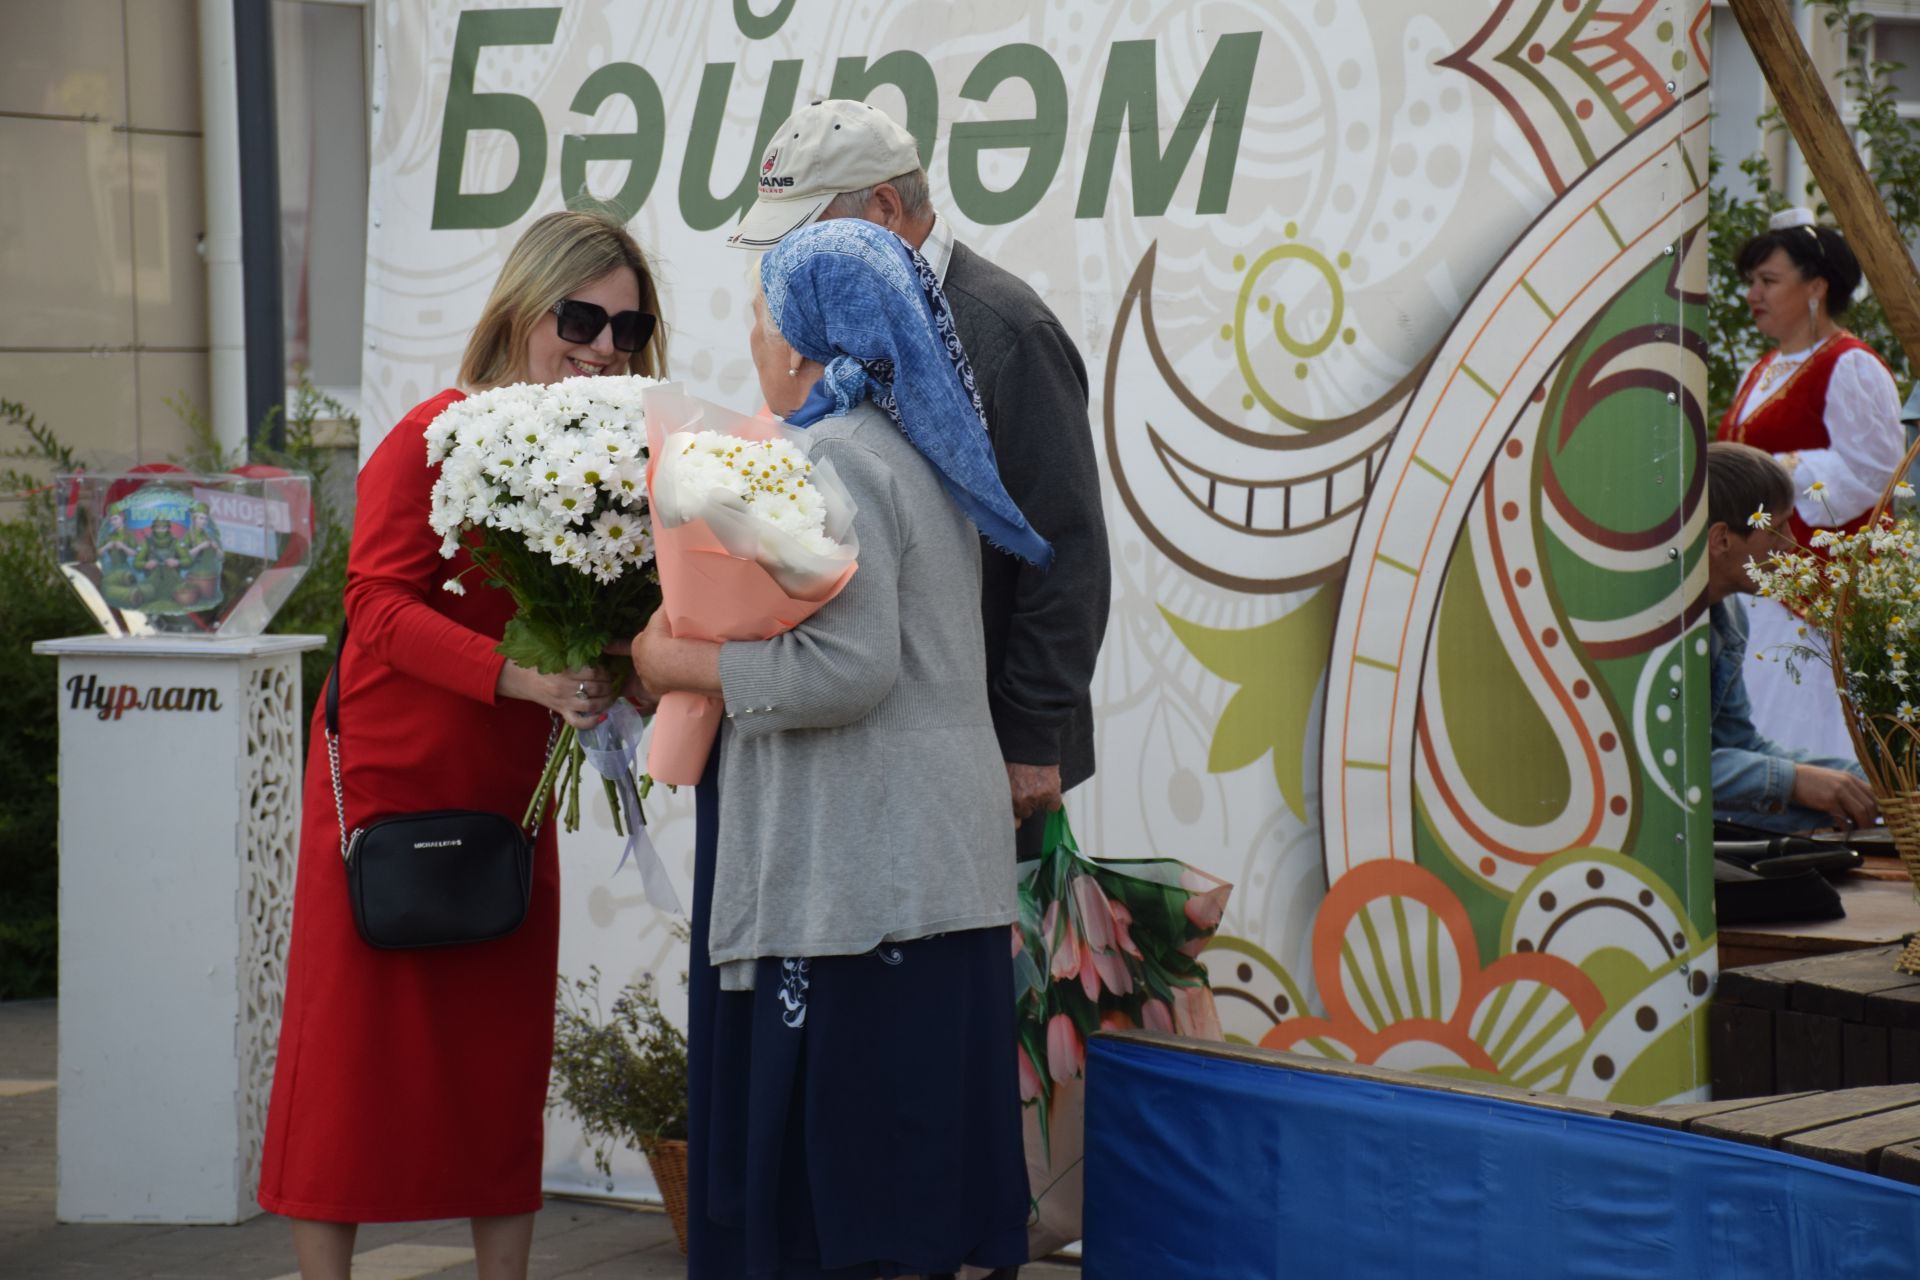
[(911, 187)]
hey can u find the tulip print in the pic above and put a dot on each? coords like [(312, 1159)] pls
[(1029, 1076), (1066, 1053), (1106, 945)]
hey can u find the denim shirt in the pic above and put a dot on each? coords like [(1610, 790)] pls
[(1752, 775)]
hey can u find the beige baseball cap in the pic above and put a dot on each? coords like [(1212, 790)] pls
[(822, 149)]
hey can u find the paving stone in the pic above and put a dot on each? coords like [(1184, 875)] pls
[(27, 1031), (573, 1239)]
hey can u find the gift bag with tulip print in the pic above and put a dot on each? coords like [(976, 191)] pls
[(1100, 944)]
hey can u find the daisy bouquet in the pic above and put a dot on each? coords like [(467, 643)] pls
[(751, 538), (1859, 593), (545, 486)]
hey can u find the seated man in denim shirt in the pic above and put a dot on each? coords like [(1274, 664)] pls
[(1757, 781)]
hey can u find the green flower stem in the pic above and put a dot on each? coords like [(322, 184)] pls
[(575, 760), (613, 803), (563, 747)]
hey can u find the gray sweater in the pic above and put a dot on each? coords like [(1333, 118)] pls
[(863, 798)]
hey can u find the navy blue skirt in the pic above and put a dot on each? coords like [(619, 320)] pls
[(852, 1116)]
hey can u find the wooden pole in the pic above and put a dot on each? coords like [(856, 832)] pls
[(1815, 124)]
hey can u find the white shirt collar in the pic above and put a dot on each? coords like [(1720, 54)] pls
[(938, 249)]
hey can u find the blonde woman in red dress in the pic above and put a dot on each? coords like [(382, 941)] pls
[(1824, 403), (412, 1084)]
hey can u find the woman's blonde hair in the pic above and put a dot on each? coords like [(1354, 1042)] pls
[(558, 254)]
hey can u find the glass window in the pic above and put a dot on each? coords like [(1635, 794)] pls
[(321, 96), (1898, 40)]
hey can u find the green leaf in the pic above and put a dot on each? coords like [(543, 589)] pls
[(1278, 667), (535, 646)]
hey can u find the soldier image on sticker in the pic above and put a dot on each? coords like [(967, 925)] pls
[(159, 553)]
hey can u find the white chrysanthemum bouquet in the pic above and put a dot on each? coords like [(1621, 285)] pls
[(754, 536), (1862, 590), (546, 488), (765, 490)]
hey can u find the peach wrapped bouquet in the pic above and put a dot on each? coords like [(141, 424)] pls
[(750, 538)]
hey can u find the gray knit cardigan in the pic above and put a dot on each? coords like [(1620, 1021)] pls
[(862, 794)]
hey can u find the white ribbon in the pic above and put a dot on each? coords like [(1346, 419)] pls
[(612, 748)]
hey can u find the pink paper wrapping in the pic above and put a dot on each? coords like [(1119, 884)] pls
[(707, 592)]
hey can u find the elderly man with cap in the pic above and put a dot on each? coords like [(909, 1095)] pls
[(844, 159)]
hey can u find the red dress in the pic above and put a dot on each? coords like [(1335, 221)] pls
[(412, 1084)]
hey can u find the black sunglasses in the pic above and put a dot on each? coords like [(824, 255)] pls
[(581, 323)]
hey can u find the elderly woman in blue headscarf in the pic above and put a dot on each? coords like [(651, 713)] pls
[(853, 1087)]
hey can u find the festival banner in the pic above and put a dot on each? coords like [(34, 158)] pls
[(1394, 317)]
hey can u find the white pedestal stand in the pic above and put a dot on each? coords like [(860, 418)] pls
[(180, 776)]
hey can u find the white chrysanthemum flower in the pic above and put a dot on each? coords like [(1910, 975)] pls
[(569, 501), (1817, 488), (587, 470), (613, 446), (617, 528), (1760, 519), (629, 482), (454, 586)]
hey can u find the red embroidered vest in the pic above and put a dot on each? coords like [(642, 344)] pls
[(1793, 416)]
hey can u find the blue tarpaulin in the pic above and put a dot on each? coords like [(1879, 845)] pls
[(1203, 1167)]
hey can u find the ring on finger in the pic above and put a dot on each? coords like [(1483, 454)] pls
[(580, 691)]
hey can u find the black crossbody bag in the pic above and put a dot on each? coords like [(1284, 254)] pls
[(433, 879)]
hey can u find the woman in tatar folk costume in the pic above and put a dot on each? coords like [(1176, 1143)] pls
[(1824, 403)]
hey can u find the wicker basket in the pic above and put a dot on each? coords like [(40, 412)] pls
[(1902, 812), (667, 1157)]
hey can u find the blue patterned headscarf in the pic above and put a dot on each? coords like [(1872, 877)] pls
[(856, 298)]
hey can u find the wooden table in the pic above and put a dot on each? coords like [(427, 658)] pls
[(1873, 1130), (1833, 1021), (1880, 910)]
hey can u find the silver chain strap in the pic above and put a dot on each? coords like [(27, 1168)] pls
[(339, 798), (339, 794)]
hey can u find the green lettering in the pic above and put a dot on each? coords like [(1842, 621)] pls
[(1129, 101), (641, 149), (699, 207), (1044, 135), (755, 27), (469, 112), (907, 71)]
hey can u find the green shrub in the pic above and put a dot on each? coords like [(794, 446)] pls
[(621, 1073), (36, 604)]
